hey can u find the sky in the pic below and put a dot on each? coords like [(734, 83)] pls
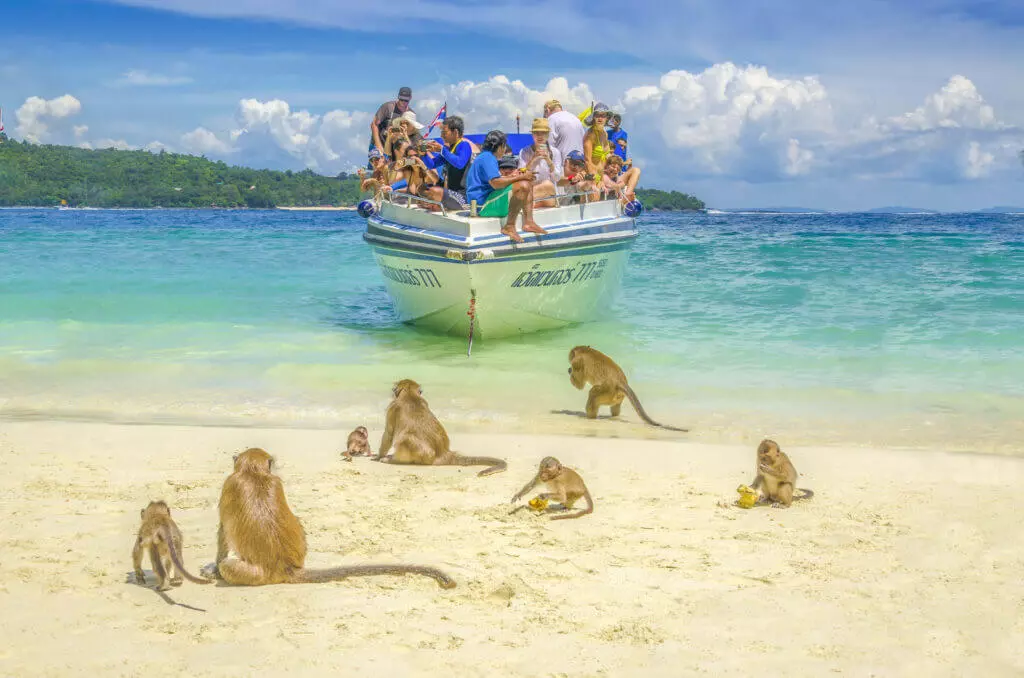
[(745, 103)]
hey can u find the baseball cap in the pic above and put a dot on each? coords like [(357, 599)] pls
[(405, 94), (575, 156), (508, 162), (374, 153)]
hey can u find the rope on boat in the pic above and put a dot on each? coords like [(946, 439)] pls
[(472, 318)]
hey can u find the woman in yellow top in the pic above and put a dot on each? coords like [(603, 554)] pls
[(596, 146)]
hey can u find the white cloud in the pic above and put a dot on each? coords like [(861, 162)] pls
[(271, 134), (496, 102), (80, 131), (118, 144), (202, 141), (728, 120), (141, 78), (37, 114)]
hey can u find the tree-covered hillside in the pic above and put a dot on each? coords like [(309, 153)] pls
[(33, 174), (42, 175)]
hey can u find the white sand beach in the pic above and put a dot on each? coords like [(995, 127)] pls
[(906, 563)]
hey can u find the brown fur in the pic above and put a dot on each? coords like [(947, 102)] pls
[(775, 472), (564, 486), (257, 524), (160, 536), (609, 385), (358, 444), (419, 438)]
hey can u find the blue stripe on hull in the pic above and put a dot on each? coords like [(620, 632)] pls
[(415, 234), (571, 250)]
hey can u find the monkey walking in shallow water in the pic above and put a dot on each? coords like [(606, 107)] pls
[(776, 474), (419, 438), (257, 524), (609, 385), (564, 486), (358, 444), (160, 536)]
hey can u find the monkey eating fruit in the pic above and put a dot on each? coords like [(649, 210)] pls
[(564, 485), (775, 472)]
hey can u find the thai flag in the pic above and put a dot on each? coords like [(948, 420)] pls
[(437, 118), (1, 120)]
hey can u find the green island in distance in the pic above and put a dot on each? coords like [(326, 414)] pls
[(34, 175)]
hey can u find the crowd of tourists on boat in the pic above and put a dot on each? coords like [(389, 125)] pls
[(573, 158)]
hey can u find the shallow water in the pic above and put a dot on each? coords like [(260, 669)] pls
[(826, 328)]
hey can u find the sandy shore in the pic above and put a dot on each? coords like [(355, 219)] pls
[(905, 563)]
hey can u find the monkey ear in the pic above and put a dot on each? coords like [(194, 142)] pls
[(142, 513), (234, 458), (270, 465)]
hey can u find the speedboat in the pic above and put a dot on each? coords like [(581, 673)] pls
[(454, 273)]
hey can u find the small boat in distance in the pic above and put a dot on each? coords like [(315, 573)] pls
[(457, 274)]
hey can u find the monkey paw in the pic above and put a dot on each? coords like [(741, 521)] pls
[(140, 578), (177, 581), (209, 571)]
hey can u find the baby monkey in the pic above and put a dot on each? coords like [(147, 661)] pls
[(358, 444), (162, 538), (565, 485), (777, 474)]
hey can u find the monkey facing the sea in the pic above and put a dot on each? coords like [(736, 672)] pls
[(160, 536), (564, 486), (419, 438), (775, 472), (358, 444), (609, 386), (257, 524)]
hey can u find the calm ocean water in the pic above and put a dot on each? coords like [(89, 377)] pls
[(827, 328)]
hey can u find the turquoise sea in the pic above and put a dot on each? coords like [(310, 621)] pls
[(821, 328)]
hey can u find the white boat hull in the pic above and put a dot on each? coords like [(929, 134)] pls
[(436, 279)]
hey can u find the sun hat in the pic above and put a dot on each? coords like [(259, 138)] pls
[(540, 125), (411, 117), (598, 108)]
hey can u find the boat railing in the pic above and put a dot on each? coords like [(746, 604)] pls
[(407, 199)]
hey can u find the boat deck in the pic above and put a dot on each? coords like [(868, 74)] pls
[(414, 226)]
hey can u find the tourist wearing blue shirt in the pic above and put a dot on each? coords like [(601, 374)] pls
[(501, 196), (618, 137), (452, 164)]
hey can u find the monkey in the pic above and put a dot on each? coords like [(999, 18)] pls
[(587, 364), (565, 485), (161, 536), (257, 524), (776, 472), (419, 438), (358, 444)]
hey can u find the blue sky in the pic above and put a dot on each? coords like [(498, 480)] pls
[(747, 103)]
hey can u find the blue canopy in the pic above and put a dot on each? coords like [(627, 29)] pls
[(516, 142)]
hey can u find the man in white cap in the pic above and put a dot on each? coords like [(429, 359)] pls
[(567, 131)]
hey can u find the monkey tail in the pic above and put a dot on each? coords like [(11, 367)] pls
[(494, 465), (581, 513), (176, 559), (643, 415), (337, 573), (807, 494)]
